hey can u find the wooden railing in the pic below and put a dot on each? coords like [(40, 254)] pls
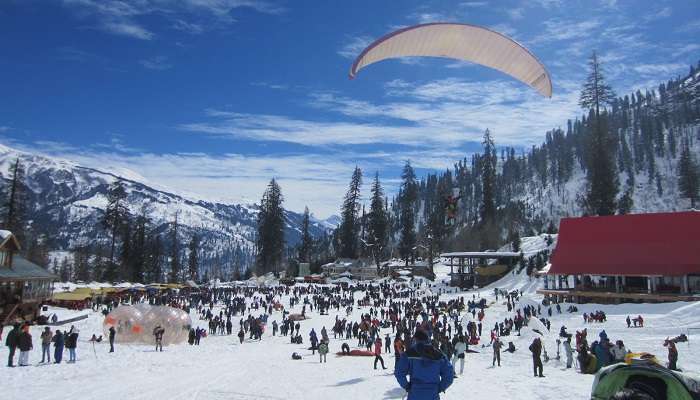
[(6, 316)]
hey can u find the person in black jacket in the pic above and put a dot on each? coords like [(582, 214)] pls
[(112, 333), (536, 350), (72, 343), (12, 341), (58, 343), (25, 346)]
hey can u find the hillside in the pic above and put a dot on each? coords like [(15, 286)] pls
[(534, 188), (67, 202)]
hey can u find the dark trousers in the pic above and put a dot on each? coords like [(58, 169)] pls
[(58, 354), (497, 358), (380, 359), (111, 345), (10, 358), (537, 365)]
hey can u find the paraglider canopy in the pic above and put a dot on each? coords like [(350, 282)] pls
[(462, 42)]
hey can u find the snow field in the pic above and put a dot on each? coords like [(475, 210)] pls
[(220, 368)]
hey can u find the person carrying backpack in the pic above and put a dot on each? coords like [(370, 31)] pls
[(322, 351)]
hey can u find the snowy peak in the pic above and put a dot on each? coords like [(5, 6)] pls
[(67, 202)]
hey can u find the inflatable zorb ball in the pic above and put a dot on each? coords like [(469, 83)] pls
[(135, 324)]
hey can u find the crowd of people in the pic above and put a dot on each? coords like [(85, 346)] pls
[(19, 338), (413, 323)]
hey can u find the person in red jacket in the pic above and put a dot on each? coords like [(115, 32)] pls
[(378, 353)]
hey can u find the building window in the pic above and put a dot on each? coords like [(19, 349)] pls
[(3, 258)]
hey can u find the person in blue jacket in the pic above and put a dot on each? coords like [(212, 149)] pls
[(429, 370), (58, 343)]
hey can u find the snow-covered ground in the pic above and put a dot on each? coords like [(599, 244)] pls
[(220, 368)]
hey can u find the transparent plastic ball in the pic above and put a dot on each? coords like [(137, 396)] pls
[(136, 324)]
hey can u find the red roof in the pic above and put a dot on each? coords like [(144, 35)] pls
[(636, 244)]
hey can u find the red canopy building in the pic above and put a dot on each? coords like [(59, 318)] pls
[(627, 257)]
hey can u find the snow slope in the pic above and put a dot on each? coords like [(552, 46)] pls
[(220, 368)]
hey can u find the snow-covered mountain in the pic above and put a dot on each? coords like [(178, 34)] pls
[(68, 200)]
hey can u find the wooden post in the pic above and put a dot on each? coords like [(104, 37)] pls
[(649, 284), (684, 285)]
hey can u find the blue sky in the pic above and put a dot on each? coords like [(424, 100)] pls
[(215, 97)]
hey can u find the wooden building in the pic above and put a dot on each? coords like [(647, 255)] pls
[(479, 268), (24, 286), (626, 258)]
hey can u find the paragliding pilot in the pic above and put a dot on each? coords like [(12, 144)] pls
[(451, 206)]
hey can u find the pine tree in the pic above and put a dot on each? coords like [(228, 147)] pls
[(488, 180), (81, 261), (270, 239), (64, 270), (115, 215), (174, 276), (688, 175), (155, 260), (16, 202), (306, 244), (349, 226), (193, 258), (139, 247), (602, 174), (407, 202), (377, 221)]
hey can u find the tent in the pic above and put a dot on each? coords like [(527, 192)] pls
[(659, 382)]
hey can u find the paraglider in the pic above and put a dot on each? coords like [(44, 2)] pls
[(461, 42), (451, 206)]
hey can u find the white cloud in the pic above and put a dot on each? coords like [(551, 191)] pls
[(662, 13), (515, 13), (559, 29), (691, 26), (315, 180), (158, 63), (354, 46), (444, 113), (474, 4), (121, 17), (127, 29), (4, 128), (663, 70), (189, 27)]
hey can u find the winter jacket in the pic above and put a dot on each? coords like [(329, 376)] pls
[(497, 345), (378, 347), (12, 339), (429, 370), (25, 341), (58, 340), (71, 340), (618, 352), (46, 337), (567, 348), (536, 348)]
